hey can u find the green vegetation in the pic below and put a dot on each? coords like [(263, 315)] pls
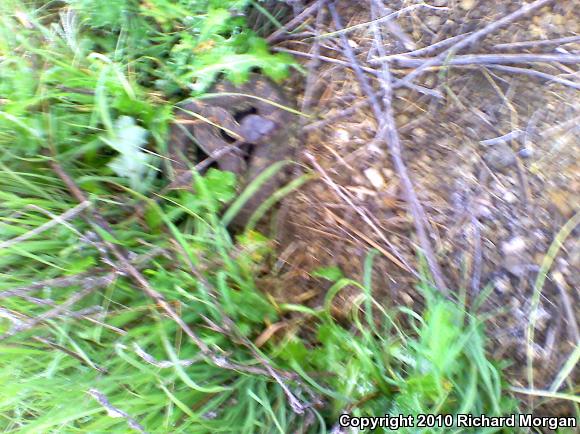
[(90, 85)]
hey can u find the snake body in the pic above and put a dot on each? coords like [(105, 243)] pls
[(249, 121)]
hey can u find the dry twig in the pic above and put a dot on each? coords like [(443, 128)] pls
[(483, 59), (297, 20), (68, 215), (114, 411), (537, 43)]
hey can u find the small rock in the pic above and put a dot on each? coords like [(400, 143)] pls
[(515, 256), (467, 5), (352, 44), (402, 119), (375, 178), (342, 135), (499, 157), (502, 284), (510, 198), (419, 133), (433, 22), (516, 245), (527, 152), (483, 209), (388, 173)]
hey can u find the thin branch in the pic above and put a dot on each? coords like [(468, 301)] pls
[(483, 59), (314, 63), (58, 310), (68, 215), (385, 18), (87, 278), (114, 411), (290, 25), (163, 364), (71, 353), (397, 32), (231, 328), (537, 43), (574, 332), (533, 73), (512, 135), (428, 49)]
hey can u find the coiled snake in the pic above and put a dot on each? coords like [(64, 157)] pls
[(246, 121)]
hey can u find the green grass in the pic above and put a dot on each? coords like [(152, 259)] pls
[(91, 85)]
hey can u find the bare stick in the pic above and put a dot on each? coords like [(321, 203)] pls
[(162, 364), (59, 309), (537, 43), (512, 135), (60, 282), (231, 328), (534, 73), (573, 331), (71, 353), (484, 59), (314, 63), (68, 215), (474, 37), (397, 31), (114, 411), (385, 18), (87, 278), (427, 50), (299, 19)]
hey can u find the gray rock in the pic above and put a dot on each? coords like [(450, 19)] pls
[(499, 157)]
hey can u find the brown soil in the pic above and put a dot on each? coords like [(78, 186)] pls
[(494, 209)]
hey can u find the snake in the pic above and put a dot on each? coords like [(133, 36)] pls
[(254, 124)]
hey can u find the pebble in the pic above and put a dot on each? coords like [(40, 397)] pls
[(467, 5), (510, 197), (402, 119), (352, 44), (499, 157), (419, 133), (375, 178), (514, 253), (502, 284), (342, 135), (388, 173), (433, 22), (526, 152)]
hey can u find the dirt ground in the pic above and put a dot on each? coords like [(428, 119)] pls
[(493, 159)]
